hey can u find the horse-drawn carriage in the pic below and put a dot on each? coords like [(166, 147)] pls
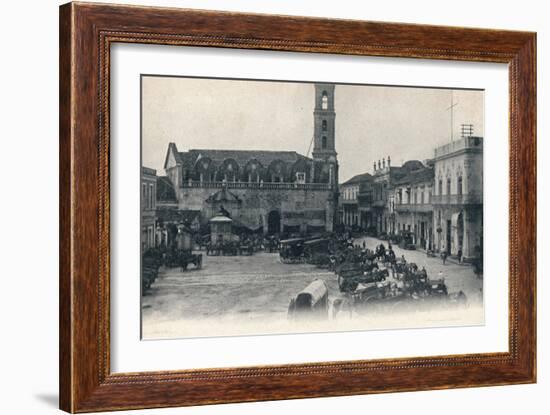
[(311, 302), (316, 252), (351, 274), (150, 263), (181, 253), (406, 240), (291, 251), (246, 247), (182, 259), (412, 295), (230, 248)]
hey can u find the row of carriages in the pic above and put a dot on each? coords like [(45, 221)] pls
[(182, 254), (367, 280)]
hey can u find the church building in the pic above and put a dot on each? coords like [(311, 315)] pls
[(268, 191)]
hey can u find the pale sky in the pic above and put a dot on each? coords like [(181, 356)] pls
[(372, 122)]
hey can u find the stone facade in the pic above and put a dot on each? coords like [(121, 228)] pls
[(271, 191)]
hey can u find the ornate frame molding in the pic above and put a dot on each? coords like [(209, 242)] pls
[(86, 33)]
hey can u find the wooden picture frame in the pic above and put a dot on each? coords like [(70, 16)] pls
[(86, 33)]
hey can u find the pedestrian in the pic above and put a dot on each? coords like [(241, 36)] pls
[(459, 254), (444, 256)]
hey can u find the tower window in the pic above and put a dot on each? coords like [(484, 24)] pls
[(324, 125), (324, 101), (324, 142)]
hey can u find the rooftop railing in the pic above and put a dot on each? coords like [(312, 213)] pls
[(462, 144), (257, 185)]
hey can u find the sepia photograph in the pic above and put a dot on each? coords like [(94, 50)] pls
[(279, 207)]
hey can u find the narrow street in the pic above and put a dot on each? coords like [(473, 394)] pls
[(457, 276)]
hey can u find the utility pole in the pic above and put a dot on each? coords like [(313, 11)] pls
[(451, 109)]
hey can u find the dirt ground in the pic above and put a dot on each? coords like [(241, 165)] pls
[(250, 294)]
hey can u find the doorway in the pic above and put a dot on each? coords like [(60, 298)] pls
[(273, 222)]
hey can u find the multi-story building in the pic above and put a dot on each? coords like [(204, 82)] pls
[(349, 200), (412, 202), (275, 191), (376, 198), (169, 217), (148, 207), (380, 213), (458, 197), (440, 201)]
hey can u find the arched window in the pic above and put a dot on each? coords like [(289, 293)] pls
[(459, 186), (324, 125), (440, 187), (324, 101), (324, 142), (448, 186)]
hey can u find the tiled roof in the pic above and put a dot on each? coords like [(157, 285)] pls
[(165, 190), (241, 156), (411, 165), (423, 174), (358, 179)]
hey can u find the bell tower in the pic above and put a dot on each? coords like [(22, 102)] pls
[(324, 117), (325, 163)]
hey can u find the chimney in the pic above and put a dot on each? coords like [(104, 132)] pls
[(379, 165), (389, 160), (374, 164), (383, 163)]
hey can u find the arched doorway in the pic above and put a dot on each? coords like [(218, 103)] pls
[(273, 222)]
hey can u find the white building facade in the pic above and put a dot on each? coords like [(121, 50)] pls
[(458, 198)]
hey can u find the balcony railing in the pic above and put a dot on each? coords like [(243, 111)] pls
[(412, 207), (348, 201), (256, 185), (467, 199)]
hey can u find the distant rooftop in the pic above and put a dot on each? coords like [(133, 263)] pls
[(358, 179), (148, 170)]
